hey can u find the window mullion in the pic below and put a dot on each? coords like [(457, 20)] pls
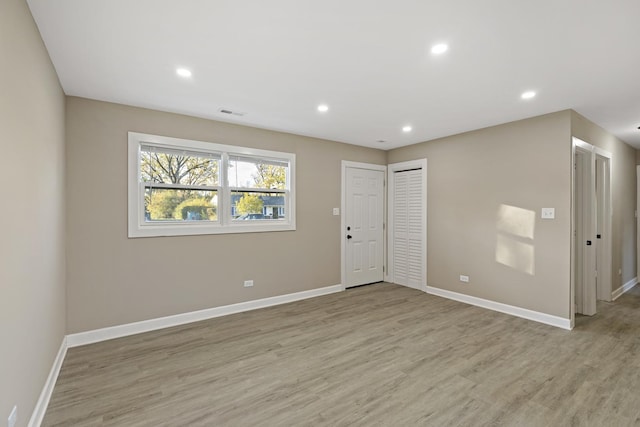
[(224, 202)]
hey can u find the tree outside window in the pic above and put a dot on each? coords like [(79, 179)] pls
[(185, 169)]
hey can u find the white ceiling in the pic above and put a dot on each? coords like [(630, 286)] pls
[(370, 61)]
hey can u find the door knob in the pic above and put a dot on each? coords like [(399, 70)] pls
[(588, 242), (349, 236)]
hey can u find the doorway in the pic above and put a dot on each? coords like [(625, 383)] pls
[(591, 228), (362, 224)]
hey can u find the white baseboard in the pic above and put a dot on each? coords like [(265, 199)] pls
[(536, 316), (43, 401), (97, 335), (624, 288)]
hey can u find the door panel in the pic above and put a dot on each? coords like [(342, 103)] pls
[(408, 228), (585, 233), (364, 220), (603, 229)]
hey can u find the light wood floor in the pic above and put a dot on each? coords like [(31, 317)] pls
[(380, 355)]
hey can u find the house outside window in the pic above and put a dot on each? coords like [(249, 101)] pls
[(272, 207)]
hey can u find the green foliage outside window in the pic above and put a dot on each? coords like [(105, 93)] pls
[(162, 204), (195, 209), (248, 204)]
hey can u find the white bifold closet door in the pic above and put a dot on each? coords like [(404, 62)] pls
[(408, 228)]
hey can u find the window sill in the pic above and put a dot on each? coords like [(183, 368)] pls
[(198, 229)]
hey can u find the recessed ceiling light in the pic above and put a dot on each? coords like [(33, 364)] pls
[(528, 94), (407, 129), (440, 48), (183, 72), (323, 108)]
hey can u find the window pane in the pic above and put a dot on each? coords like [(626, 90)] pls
[(167, 204), (178, 167), (257, 206), (245, 172)]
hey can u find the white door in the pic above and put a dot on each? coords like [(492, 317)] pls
[(584, 235), (364, 234), (603, 228), (407, 228)]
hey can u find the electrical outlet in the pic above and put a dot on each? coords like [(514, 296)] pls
[(464, 278), (336, 211), (248, 283), (13, 417)]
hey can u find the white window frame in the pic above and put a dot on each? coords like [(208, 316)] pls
[(138, 227)]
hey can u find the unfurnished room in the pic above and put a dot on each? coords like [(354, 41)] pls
[(336, 213)]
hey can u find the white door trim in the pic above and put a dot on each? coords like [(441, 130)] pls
[(343, 203), (391, 169), (605, 277)]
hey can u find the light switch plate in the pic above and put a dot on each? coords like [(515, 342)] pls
[(336, 211), (548, 213)]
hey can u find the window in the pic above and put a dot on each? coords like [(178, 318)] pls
[(258, 188), (181, 187)]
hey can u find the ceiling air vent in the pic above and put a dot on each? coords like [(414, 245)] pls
[(233, 113)]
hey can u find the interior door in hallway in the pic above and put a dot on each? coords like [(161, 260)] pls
[(364, 219)]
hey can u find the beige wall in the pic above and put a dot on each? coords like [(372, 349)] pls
[(484, 194), (114, 280), (32, 246), (637, 157), (623, 184)]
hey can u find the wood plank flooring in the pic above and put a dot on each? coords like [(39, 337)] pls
[(380, 355)]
